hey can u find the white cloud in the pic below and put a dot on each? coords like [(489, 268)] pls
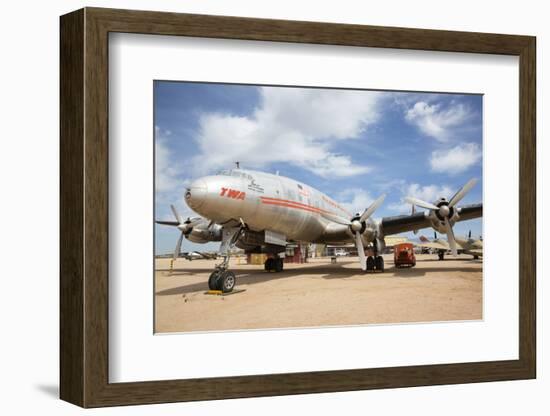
[(457, 159), (428, 193), (435, 121), (166, 173), (355, 200), (298, 126)]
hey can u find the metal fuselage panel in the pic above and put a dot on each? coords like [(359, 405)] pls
[(268, 202)]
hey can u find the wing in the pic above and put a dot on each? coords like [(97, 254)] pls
[(419, 220), (469, 212), (403, 223)]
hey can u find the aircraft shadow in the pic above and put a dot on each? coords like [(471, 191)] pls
[(472, 260), (416, 271), (255, 276), (336, 271)]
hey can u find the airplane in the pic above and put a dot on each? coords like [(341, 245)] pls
[(196, 255), (468, 245), (261, 212)]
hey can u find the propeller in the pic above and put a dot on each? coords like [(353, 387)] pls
[(184, 226), (445, 210), (356, 225)]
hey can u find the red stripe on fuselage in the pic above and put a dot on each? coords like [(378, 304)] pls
[(292, 204), (286, 204), (299, 204), (267, 200)]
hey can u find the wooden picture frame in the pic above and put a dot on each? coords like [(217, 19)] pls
[(84, 207)]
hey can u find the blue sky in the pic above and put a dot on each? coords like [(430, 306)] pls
[(351, 144)]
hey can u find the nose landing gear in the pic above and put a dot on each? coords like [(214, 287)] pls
[(221, 278)]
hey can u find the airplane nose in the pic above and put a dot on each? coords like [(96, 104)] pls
[(196, 194)]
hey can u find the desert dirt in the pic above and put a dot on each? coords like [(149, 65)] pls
[(317, 293)]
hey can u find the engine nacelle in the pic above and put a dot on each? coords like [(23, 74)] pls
[(201, 233), (437, 218)]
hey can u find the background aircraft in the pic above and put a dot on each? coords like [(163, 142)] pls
[(261, 212), (196, 255), (464, 245)]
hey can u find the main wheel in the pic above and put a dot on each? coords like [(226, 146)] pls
[(269, 264), (441, 255), (370, 263), (278, 265), (227, 281), (213, 280), (379, 263)]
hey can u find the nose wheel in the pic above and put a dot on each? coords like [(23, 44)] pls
[(223, 280)]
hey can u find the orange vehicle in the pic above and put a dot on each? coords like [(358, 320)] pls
[(403, 255)]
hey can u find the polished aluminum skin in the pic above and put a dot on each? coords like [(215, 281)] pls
[(265, 201)]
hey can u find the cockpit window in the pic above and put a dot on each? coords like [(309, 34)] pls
[(235, 173)]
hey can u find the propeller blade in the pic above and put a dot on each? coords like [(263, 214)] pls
[(190, 223), (336, 218), (360, 251), (373, 207), (176, 214), (420, 203), (451, 237), (462, 192), (178, 247), (413, 211)]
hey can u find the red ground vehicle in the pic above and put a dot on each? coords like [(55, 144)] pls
[(403, 255)]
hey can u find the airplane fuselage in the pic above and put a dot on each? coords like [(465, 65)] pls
[(265, 201)]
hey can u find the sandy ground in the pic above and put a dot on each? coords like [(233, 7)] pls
[(317, 293)]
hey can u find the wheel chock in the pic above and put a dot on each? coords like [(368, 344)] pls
[(220, 293)]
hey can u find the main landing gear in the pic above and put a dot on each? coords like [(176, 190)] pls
[(221, 278), (375, 264), (274, 264)]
